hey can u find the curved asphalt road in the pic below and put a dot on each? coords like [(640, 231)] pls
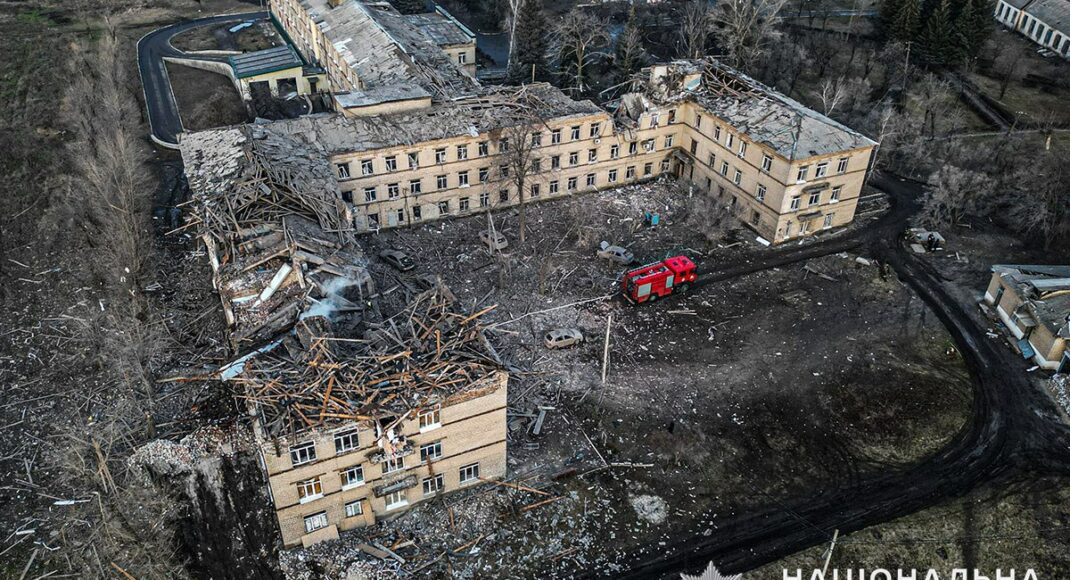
[(1014, 429), (164, 120)]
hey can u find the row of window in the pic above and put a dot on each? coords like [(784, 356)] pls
[(353, 476), (461, 152), (760, 189), (430, 486), (349, 440), (445, 206)]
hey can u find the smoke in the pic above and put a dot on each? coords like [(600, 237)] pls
[(333, 298)]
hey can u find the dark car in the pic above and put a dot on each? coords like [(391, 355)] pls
[(398, 259)]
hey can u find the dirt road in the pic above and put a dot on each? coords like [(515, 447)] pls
[(1014, 428)]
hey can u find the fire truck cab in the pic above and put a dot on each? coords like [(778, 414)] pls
[(650, 282)]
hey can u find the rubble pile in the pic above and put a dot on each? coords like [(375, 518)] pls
[(427, 351)]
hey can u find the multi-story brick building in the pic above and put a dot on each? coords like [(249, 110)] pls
[(328, 480)]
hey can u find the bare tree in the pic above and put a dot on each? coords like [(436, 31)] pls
[(1007, 69), (520, 167), (956, 194), (832, 92), (744, 28), (576, 39), (1040, 204), (695, 28)]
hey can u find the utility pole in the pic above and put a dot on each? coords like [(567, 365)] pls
[(828, 555), (605, 350)]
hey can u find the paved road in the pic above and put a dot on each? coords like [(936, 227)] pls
[(1014, 429), (164, 120)]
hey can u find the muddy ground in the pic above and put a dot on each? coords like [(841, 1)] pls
[(740, 394), (205, 99)]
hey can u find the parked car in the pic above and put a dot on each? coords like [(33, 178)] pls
[(398, 259), (563, 338), (615, 253), (495, 240)]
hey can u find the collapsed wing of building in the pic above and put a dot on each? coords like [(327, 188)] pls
[(1033, 303)]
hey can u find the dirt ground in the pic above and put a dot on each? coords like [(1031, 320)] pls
[(205, 99), (1036, 103), (737, 394), (259, 36)]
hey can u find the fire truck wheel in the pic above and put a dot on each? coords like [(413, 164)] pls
[(652, 298), (683, 288)]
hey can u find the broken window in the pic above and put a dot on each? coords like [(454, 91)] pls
[(373, 220), (469, 473), (503, 196), (416, 213), (393, 464), (462, 152), (828, 220), (694, 147), (629, 173), (414, 160), (698, 121), (795, 202), (633, 148), (440, 181), (724, 168), (440, 155), (716, 132), (392, 163), (503, 171), (353, 477), (484, 199), (444, 207), (302, 453), (482, 148), (612, 175), (841, 165), (712, 161), (369, 193), (668, 141), (536, 165), (536, 139), (555, 136), (664, 165), (415, 186), (503, 145), (430, 419), (434, 484), (555, 162), (760, 194), (648, 168), (573, 157), (400, 215), (431, 451), (309, 490), (393, 190), (614, 151), (366, 167), (462, 205), (346, 441), (484, 174), (755, 218), (592, 155), (738, 177), (767, 162), (354, 509), (462, 179), (648, 145), (571, 184), (462, 57), (396, 500), (730, 140), (315, 522), (821, 170), (709, 184), (343, 170), (576, 133), (815, 198), (672, 116), (836, 193), (596, 129), (590, 179), (742, 148), (347, 196), (801, 175), (553, 187), (535, 189), (654, 118)]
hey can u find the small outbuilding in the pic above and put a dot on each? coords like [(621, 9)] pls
[(1033, 302)]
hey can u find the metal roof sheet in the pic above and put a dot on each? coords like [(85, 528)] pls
[(264, 61)]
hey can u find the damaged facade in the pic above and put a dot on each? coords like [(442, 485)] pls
[(1033, 303), (357, 414)]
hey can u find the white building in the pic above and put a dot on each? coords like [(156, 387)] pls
[(1045, 22)]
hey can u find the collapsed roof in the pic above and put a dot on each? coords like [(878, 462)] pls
[(1045, 293), (758, 111), (491, 109)]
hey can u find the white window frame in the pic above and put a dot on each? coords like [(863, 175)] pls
[(396, 500), (429, 419), (836, 191), (760, 195), (468, 473), (392, 163), (393, 464), (434, 484), (440, 155), (348, 481), (306, 450), (612, 175), (354, 508), (462, 152), (767, 162), (795, 201), (821, 170), (309, 490), (345, 441), (393, 190), (742, 148), (343, 170), (316, 521), (431, 451), (367, 167), (841, 165), (800, 175)]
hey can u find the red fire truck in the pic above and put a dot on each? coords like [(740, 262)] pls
[(650, 282)]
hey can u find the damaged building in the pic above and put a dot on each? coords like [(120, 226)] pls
[(357, 413), (1033, 303)]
